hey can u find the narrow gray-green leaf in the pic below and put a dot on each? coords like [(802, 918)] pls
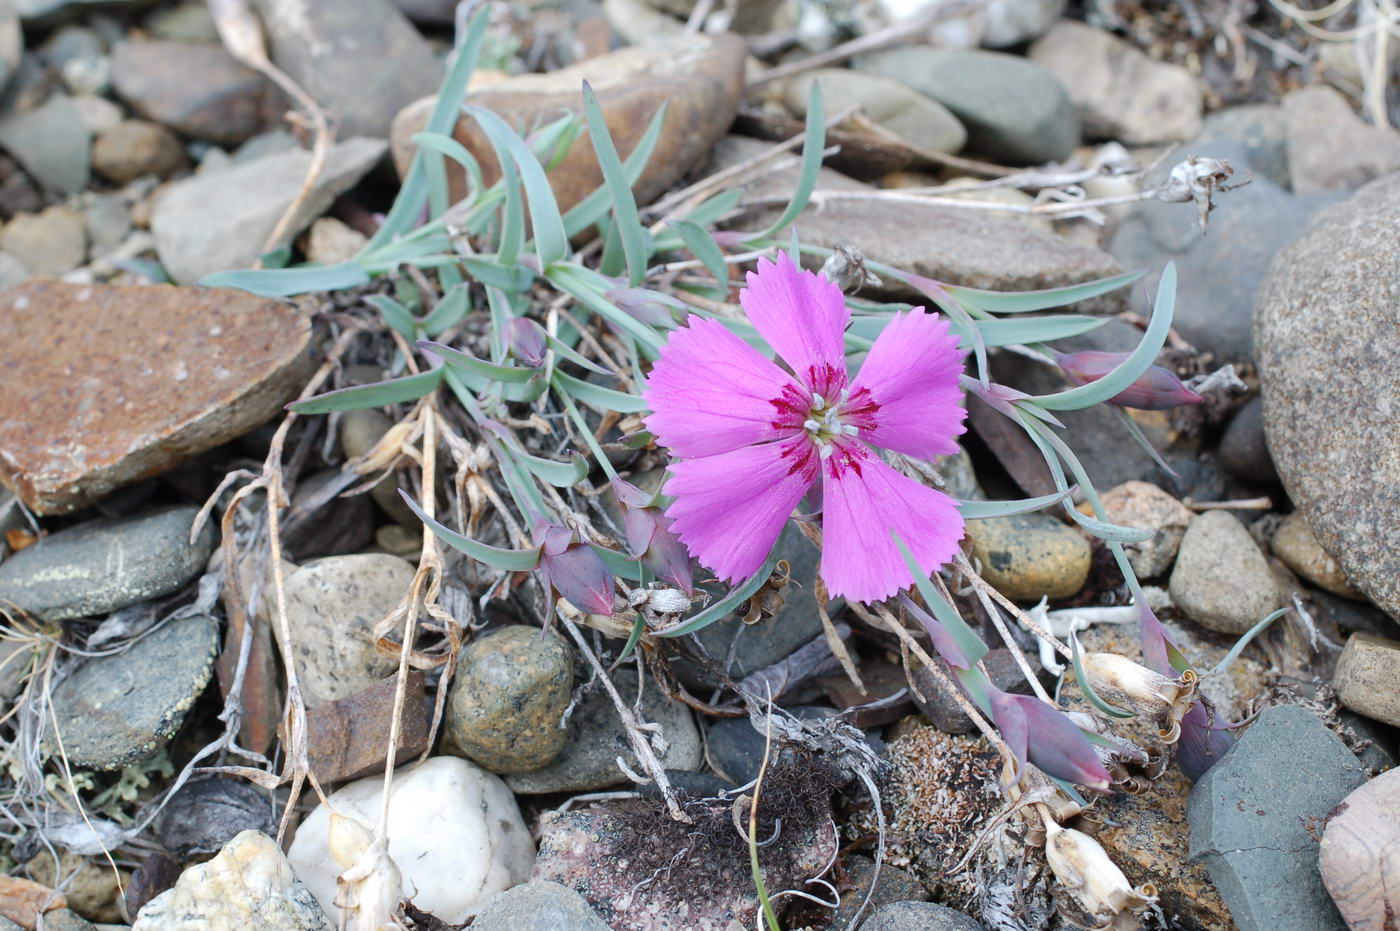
[(466, 362), (514, 278), (703, 246), (446, 145), (1019, 302), (1249, 635), (493, 556), (983, 510), (285, 282), (972, 645), (812, 152), (595, 206), (604, 399), (448, 312), (624, 566), (1106, 531), (395, 314), (379, 394), (551, 243), (629, 226)]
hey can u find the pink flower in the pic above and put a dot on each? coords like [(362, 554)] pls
[(753, 439)]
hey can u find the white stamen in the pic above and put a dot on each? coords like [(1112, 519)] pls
[(824, 450), (817, 402), (811, 425), (850, 429)]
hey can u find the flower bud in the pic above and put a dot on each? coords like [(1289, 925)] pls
[(527, 341), (572, 569), (650, 307), (1120, 681), (1201, 743), (1041, 734), (1156, 389), (649, 536), (1095, 881)]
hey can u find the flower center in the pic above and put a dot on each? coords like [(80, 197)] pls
[(824, 423)]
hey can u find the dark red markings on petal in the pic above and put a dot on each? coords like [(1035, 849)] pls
[(860, 409), (801, 454), (791, 408), (846, 457), (826, 380)]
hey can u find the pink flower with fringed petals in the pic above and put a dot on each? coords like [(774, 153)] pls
[(751, 439)]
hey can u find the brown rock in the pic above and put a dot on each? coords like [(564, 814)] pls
[(23, 900), (1360, 854), (1295, 544), (47, 244), (698, 78), (1330, 148), (1144, 505), (101, 385), (134, 148), (91, 888), (349, 738), (331, 242), (1367, 679), (1027, 556)]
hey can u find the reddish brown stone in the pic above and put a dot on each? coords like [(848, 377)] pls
[(878, 706), (699, 78), (23, 900), (102, 385), (349, 738)]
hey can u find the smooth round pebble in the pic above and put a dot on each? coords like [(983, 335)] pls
[(1295, 544), (919, 916), (1221, 579), (538, 905), (1030, 556)]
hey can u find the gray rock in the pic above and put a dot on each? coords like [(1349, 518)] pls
[(188, 22), (108, 223), (1325, 334), (208, 813), (47, 244), (1011, 22), (1221, 579), (71, 573), (211, 223), (12, 271), (943, 710), (65, 919), (11, 42), (322, 44), (1218, 272), (196, 88), (1257, 815), (1352, 615), (1013, 110), (1118, 91), (596, 739), (919, 916), (538, 905), (918, 120), (332, 607), (895, 885), (508, 699), (119, 709), (47, 12), (1259, 131), (1244, 452), (1330, 148), (52, 143)]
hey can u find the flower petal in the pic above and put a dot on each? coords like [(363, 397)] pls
[(863, 500), (803, 316), (711, 392), (730, 508), (912, 401)]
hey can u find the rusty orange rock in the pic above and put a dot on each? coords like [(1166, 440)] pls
[(23, 900)]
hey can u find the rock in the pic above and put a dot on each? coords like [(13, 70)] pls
[(1360, 855), (1219, 271), (70, 573), (918, 916), (454, 832), (1256, 817), (1013, 110), (23, 900), (52, 143), (1001, 195), (1367, 679), (918, 120), (1148, 837), (1243, 451), (249, 884), (359, 431), (196, 88), (1330, 148), (157, 873), (1143, 505), (698, 77), (1328, 305), (97, 113), (349, 738), (1295, 544), (1221, 580), (895, 885), (92, 889), (332, 607), (943, 710), (340, 526), (47, 244), (636, 22), (65, 919), (188, 22), (120, 709), (538, 905), (751, 17), (12, 271), (208, 813), (508, 699), (944, 243), (211, 223), (1118, 91), (331, 242), (1029, 556), (1011, 22), (322, 43), (596, 738), (1351, 615), (134, 148), (108, 223), (79, 419), (431, 12), (11, 42)]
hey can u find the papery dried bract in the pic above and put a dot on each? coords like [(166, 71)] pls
[(1095, 881), (572, 569), (1122, 682), (1156, 389), (369, 888)]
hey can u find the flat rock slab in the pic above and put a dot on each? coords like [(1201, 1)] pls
[(105, 565), (349, 738), (119, 709), (102, 385), (1257, 818)]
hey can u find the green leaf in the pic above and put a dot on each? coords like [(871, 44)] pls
[(446, 145), (448, 312), (514, 278), (604, 399), (558, 474), (726, 605), (551, 242), (284, 282), (967, 639), (595, 206), (703, 246), (413, 193), (1019, 302), (1106, 531), (1243, 642), (493, 556), (1087, 687), (812, 152), (1131, 368), (276, 258), (589, 287), (512, 236), (395, 314), (568, 352), (983, 510), (466, 362), (619, 565), (379, 394), (629, 225), (1036, 329)]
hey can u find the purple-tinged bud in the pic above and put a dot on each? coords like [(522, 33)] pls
[(1157, 389), (650, 307), (649, 536), (527, 341), (572, 569), (1202, 742), (1041, 734)]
